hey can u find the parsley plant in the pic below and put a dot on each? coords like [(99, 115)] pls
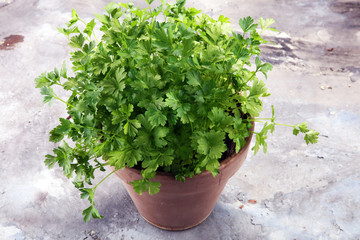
[(159, 96)]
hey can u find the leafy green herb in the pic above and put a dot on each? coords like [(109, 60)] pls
[(157, 95)]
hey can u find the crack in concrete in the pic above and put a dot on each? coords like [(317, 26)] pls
[(4, 3), (91, 235), (291, 53), (351, 9)]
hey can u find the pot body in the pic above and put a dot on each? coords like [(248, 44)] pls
[(182, 205)]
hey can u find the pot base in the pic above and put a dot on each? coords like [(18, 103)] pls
[(175, 229)]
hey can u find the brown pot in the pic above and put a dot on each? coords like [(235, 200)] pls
[(178, 205)]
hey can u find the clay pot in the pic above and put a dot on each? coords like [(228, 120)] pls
[(178, 205)]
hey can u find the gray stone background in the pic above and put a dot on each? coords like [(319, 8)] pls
[(301, 192)]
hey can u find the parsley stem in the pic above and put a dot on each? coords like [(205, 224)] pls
[(252, 75), (102, 165), (279, 124), (97, 41), (82, 21), (263, 118), (104, 179), (56, 97), (286, 125)]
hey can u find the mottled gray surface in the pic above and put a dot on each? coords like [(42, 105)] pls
[(302, 192)]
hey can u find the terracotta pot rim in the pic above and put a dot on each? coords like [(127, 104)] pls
[(223, 163)]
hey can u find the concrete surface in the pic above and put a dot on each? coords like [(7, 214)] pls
[(301, 192)]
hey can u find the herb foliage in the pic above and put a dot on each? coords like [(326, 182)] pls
[(157, 95)]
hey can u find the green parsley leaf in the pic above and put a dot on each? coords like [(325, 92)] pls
[(154, 187), (163, 40), (50, 160), (253, 106), (247, 25), (155, 117), (265, 68), (159, 134), (74, 19), (219, 118), (194, 78), (77, 41), (188, 48), (258, 88), (87, 193), (111, 7), (48, 94), (115, 85), (186, 32), (91, 211), (58, 133), (311, 137), (140, 186), (63, 70), (303, 127), (89, 27), (266, 23), (296, 131), (125, 157), (149, 1), (42, 81), (131, 126), (211, 144)]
